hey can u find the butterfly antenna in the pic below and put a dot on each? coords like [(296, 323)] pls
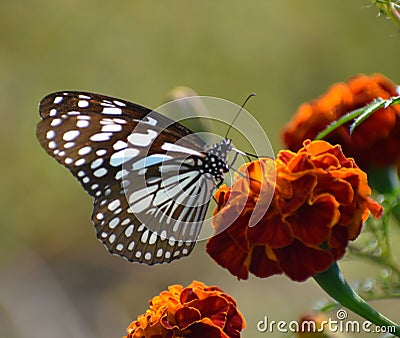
[(238, 113)]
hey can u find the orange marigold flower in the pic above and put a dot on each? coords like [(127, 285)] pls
[(376, 141), (319, 203), (195, 311)]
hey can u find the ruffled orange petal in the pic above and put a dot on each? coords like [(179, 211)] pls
[(319, 204)]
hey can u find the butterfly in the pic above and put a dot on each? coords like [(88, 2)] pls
[(151, 177)]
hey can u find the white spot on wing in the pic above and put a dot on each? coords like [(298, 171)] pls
[(171, 241), (129, 231), (82, 96), (101, 137), (100, 172), (120, 145), (50, 134), (82, 123), (71, 135), (142, 140), (56, 122), (73, 112), (114, 205), (153, 238), (96, 163), (111, 128), (112, 110), (69, 145), (84, 151), (123, 156), (83, 104), (121, 173), (119, 103), (149, 120), (52, 145), (58, 99), (118, 120), (101, 152), (113, 223), (80, 162), (144, 237)]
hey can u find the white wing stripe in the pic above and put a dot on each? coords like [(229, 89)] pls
[(180, 149)]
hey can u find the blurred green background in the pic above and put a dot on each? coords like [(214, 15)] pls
[(56, 278)]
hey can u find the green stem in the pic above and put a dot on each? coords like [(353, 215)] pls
[(333, 283)]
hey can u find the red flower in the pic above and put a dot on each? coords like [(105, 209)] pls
[(195, 311), (376, 141), (320, 200)]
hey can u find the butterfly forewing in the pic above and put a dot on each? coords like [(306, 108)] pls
[(85, 132), (150, 194)]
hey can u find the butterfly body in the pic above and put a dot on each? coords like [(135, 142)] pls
[(151, 177)]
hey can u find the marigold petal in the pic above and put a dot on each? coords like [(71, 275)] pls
[(338, 241), (374, 207), (376, 141), (205, 329), (184, 317), (302, 187), (272, 231), (261, 265), (214, 307), (312, 222), (300, 262), (188, 295), (204, 312), (318, 206), (228, 254), (339, 188)]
